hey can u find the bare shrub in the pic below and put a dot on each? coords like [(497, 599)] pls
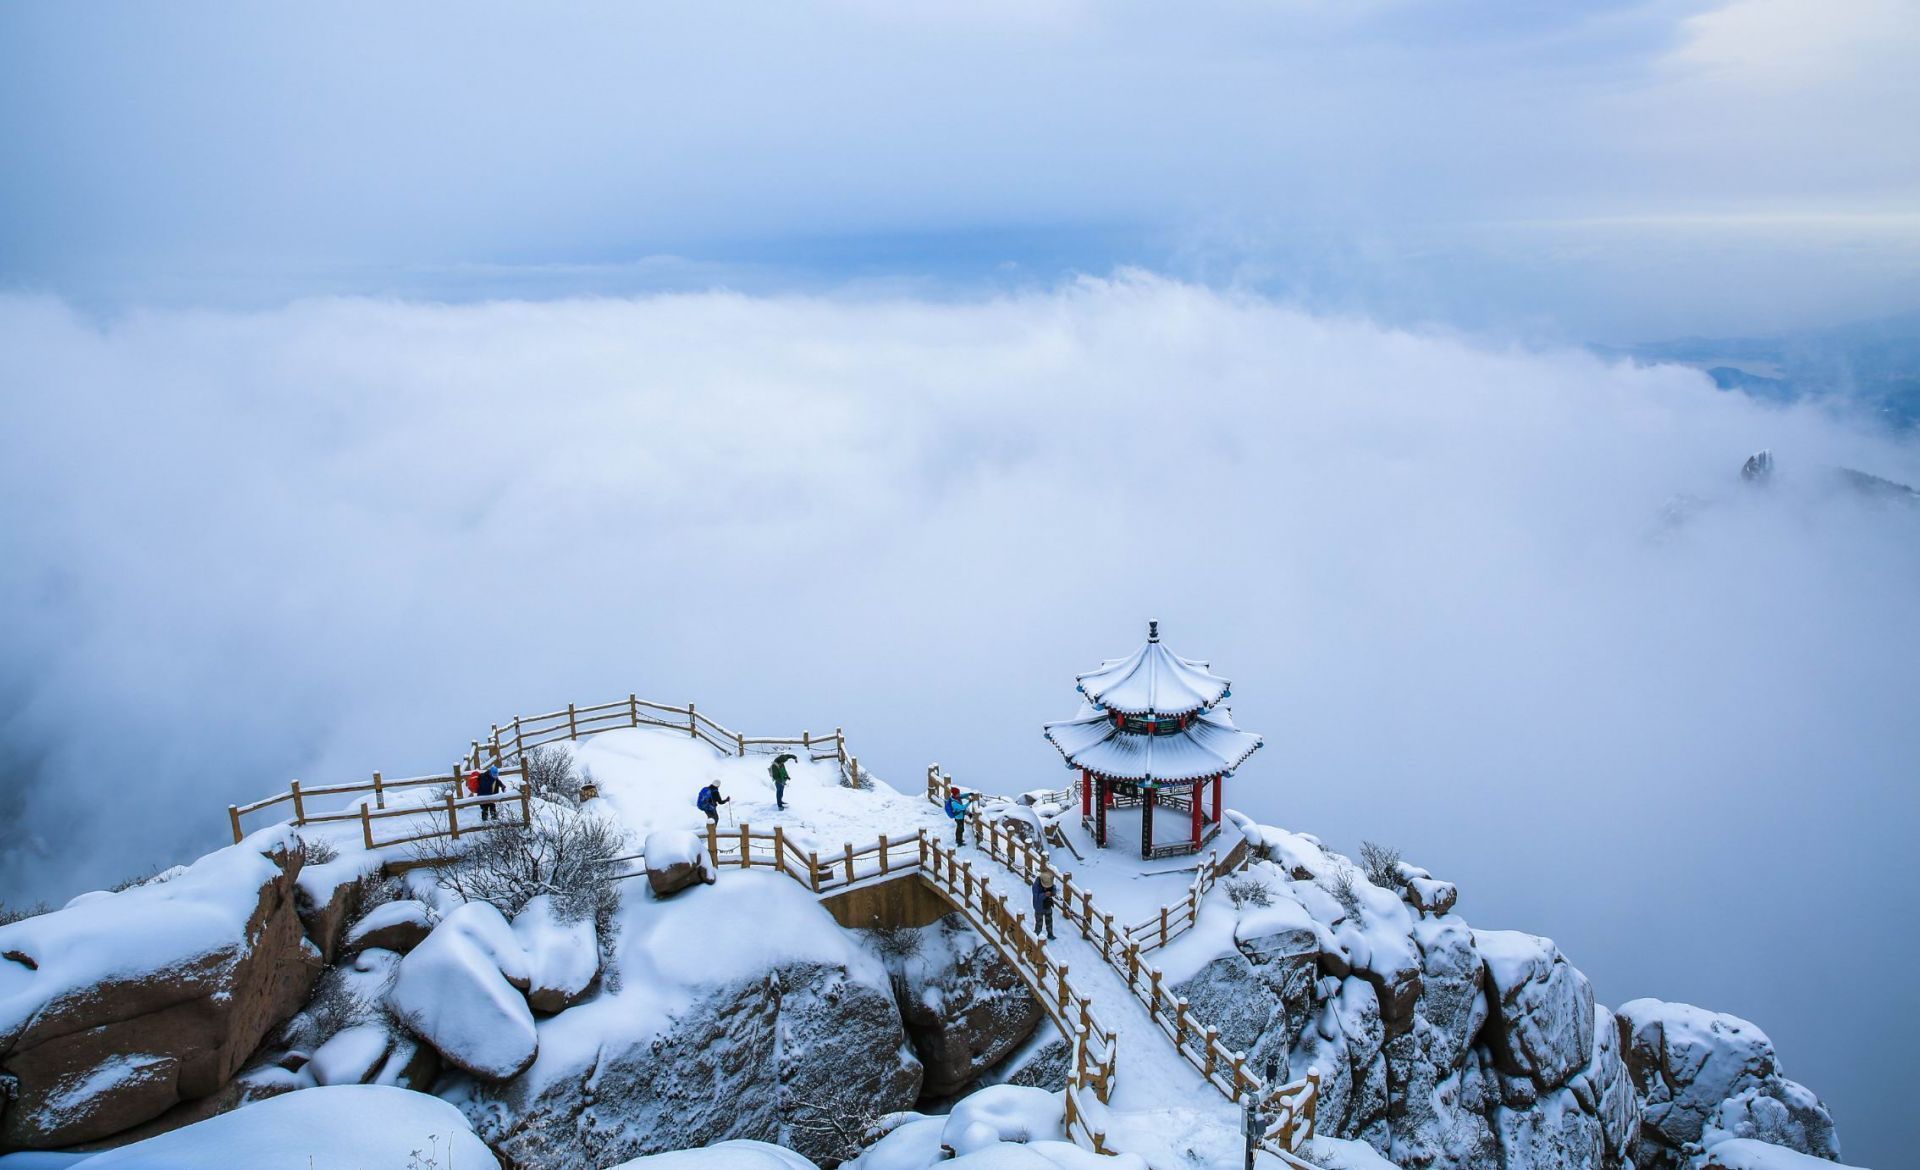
[(550, 775), (898, 943), (12, 914), (1382, 864), (564, 854), (1249, 890), (317, 851), (1341, 887)]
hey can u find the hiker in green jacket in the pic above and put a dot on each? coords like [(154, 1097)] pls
[(778, 770)]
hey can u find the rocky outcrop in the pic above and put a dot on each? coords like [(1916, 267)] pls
[(1708, 1076), (563, 956), (397, 926), (461, 991), (964, 1007), (120, 1008), (799, 1056), (675, 860), (1541, 1026)]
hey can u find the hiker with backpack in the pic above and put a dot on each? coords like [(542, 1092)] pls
[(778, 770), (1043, 903), (956, 807), (710, 800), (488, 783)]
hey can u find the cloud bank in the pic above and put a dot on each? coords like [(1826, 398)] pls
[(1451, 583)]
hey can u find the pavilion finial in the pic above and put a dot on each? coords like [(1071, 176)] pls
[(1153, 631)]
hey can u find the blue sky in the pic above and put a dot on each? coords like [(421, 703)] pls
[(1610, 171)]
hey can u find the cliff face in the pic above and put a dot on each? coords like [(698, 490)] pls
[(741, 1011), (1447, 1047)]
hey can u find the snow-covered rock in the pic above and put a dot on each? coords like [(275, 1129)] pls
[(676, 859), (397, 926), (331, 895), (345, 1125), (1694, 1069), (460, 992), (739, 1154), (1751, 1154), (563, 957), (117, 1009), (352, 1057), (1542, 1021), (965, 1009)]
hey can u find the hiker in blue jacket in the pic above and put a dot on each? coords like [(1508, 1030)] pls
[(1043, 903), (957, 806), (710, 800), (490, 785)]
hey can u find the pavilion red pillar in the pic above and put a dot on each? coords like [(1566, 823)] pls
[(1086, 794), (1193, 798), (1100, 812), (1146, 823), (1218, 781)]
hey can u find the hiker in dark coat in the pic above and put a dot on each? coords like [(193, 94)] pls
[(778, 770), (1043, 902), (490, 785), (710, 800), (957, 809)]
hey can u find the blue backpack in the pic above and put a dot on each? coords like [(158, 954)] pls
[(708, 800)]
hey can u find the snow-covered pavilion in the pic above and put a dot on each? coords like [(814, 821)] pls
[(1152, 734)]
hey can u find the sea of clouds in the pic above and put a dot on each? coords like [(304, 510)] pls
[(1512, 611)]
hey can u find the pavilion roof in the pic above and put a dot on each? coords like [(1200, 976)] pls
[(1210, 745), (1153, 680)]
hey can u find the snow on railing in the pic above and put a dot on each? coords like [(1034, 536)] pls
[(507, 745), (1290, 1106)]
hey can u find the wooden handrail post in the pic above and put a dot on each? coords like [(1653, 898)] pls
[(1153, 997), (840, 744), (633, 708), (1063, 990), (921, 836), (526, 802), (299, 805), (746, 848), (1213, 1046), (366, 826), (1163, 926), (806, 744), (473, 754), (496, 743), (849, 849), (883, 853), (853, 771), (780, 848), (1133, 964), (379, 792), (740, 744), (813, 870), (693, 723), (713, 842), (519, 741), (1179, 1021), (573, 723), (233, 818), (453, 818)]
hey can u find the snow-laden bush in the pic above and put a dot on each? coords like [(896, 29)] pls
[(1249, 890), (1382, 863), (550, 775), (565, 853), (11, 914)]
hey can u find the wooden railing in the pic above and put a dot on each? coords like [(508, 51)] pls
[(1289, 1107), (507, 745)]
